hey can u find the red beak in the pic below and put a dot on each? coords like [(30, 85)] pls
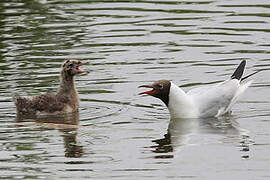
[(147, 92)]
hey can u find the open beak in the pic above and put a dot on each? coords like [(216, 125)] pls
[(80, 71), (147, 92)]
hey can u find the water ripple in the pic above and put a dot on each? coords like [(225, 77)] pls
[(127, 43)]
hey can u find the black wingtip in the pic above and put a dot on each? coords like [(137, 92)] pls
[(239, 71), (250, 75)]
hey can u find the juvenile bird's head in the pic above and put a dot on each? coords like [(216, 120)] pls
[(72, 68)]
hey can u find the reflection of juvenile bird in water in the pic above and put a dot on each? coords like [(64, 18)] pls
[(64, 101), (203, 102), (68, 125), (72, 149)]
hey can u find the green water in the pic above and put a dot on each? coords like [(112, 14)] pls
[(118, 134)]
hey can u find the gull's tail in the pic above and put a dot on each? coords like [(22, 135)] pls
[(239, 71)]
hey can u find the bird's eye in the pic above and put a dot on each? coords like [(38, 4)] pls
[(70, 65), (160, 86)]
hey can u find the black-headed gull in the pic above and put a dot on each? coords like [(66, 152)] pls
[(203, 102)]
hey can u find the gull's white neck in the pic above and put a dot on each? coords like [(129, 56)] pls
[(180, 104)]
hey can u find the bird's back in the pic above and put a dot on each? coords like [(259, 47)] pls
[(48, 103), (215, 100)]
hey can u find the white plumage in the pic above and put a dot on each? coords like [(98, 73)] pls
[(202, 102)]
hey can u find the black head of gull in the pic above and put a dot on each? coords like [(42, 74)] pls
[(160, 89)]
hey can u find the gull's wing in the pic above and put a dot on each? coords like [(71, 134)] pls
[(218, 99), (215, 100)]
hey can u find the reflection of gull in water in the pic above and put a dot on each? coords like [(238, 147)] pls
[(184, 132), (68, 124)]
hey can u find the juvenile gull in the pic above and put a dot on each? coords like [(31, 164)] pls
[(64, 101)]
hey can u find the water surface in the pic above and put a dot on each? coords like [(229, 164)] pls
[(118, 134)]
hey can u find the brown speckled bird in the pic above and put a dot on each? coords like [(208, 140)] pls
[(64, 101)]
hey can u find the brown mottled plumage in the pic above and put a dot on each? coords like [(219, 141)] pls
[(64, 101)]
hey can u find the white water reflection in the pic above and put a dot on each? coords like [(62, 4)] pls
[(195, 132)]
